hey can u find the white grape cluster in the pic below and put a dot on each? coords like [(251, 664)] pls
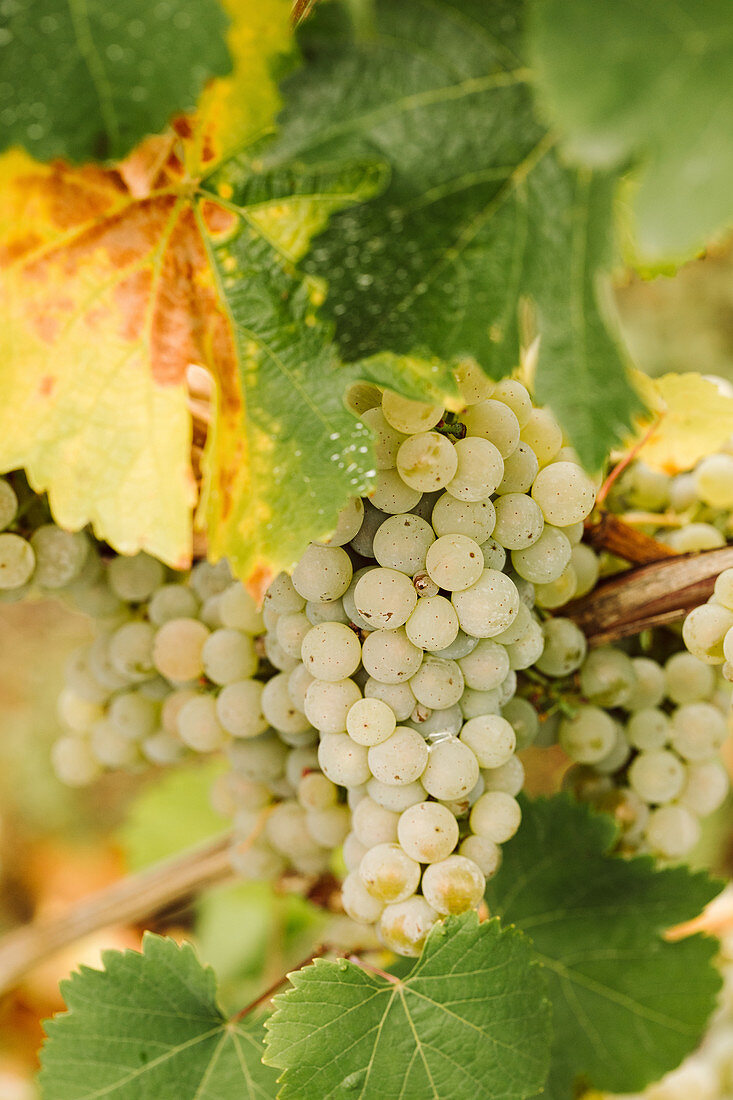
[(708, 629), (707, 1074), (171, 670), (48, 560), (644, 736), (396, 645)]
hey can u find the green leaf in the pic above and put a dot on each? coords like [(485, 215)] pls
[(627, 1005), (89, 80), (483, 237), (647, 82), (470, 1020), (171, 814), (148, 1027)]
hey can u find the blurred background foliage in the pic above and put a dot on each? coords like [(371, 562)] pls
[(58, 845)]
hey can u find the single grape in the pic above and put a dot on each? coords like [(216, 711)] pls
[(73, 762), (454, 562), (390, 656), (428, 832), (657, 776), (404, 926), (704, 630), (385, 598), (543, 434), (520, 470), (239, 708), (199, 726), (508, 777), (398, 697), (400, 759), (607, 677), (433, 624), (564, 492), (479, 469), (484, 853), (342, 760), (374, 824), (488, 606), (474, 385), (393, 495), (131, 650), (290, 630), (133, 716), (370, 722), (17, 562), (401, 542), (474, 518), (545, 559), (358, 903), (347, 524), (394, 798), (331, 651), (496, 815), (238, 610), (648, 728), (388, 873), (386, 440), (453, 885), (178, 649), (714, 480), (8, 504), (519, 521), (327, 704), (172, 601), (698, 731), (486, 666), (706, 787), (650, 685), (261, 759), (427, 461), (282, 597), (495, 421), (60, 555), (565, 647), (451, 771), (437, 683), (323, 573), (228, 655), (329, 827), (279, 709), (672, 831), (490, 738), (588, 735)]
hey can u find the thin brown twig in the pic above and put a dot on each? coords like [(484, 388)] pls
[(271, 990), (626, 460)]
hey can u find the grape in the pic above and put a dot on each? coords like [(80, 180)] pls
[(723, 593), (404, 925), (474, 385), (545, 559), (75, 711), (648, 728), (358, 903), (490, 738), (287, 831), (565, 647), (347, 524), (390, 656), (695, 536), (342, 760), (454, 562), (427, 461), (209, 578), (73, 762), (688, 679), (330, 826), (496, 815), (479, 470), (706, 787), (520, 470), (353, 852), (8, 504), (238, 610), (385, 598), (650, 685), (698, 731), (428, 832), (474, 702), (239, 708), (588, 736), (409, 416), (320, 611), (428, 722), (290, 630), (323, 573), (331, 651), (60, 555), (110, 747), (394, 798), (657, 776), (301, 762), (460, 647), (451, 771), (437, 683), (400, 759), (209, 612), (279, 709), (172, 601), (135, 579), (398, 697), (558, 592), (133, 716), (199, 726), (234, 791), (402, 541), (178, 649), (131, 650), (495, 421), (564, 492), (386, 440), (462, 517), (228, 656), (494, 554), (282, 597), (17, 561), (607, 677), (393, 495), (255, 861), (617, 756), (671, 831), (522, 717), (527, 650), (519, 522), (488, 606), (374, 824), (453, 885), (714, 480), (486, 666), (508, 778), (483, 852), (388, 873), (433, 624), (543, 434), (370, 721), (648, 488), (516, 396), (261, 759)]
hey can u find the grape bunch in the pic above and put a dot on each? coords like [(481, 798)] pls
[(644, 735)]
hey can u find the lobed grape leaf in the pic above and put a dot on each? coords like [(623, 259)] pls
[(469, 1020), (90, 80), (148, 1026), (627, 1006), (483, 237), (647, 82), (694, 419)]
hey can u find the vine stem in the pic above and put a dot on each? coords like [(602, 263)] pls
[(271, 990), (132, 899)]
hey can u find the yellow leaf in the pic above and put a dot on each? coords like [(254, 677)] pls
[(693, 419)]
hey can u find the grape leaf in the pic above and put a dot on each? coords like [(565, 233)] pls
[(483, 237), (627, 1006), (148, 1026), (89, 81), (469, 1020), (648, 82), (695, 420)]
